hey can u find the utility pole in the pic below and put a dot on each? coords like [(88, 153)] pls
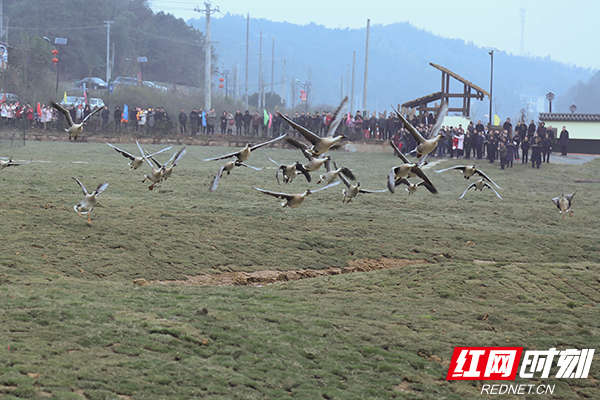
[(352, 92), (207, 54), (247, 59), (272, 65), (108, 53), (260, 84), (283, 80), (366, 68)]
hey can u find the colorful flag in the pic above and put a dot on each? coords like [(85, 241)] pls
[(125, 114), (4, 98), (85, 98), (266, 117), (39, 109), (496, 120), (203, 118), (65, 98), (270, 119)]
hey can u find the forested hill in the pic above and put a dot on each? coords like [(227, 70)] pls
[(399, 57)]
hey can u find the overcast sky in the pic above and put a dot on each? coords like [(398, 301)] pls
[(567, 31)]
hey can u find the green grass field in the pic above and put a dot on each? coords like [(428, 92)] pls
[(484, 272)]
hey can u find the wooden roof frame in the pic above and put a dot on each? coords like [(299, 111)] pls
[(444, 95)]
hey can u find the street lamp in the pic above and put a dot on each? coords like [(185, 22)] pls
[(573, 108), (58, 42), (491, 53), (550, 97)]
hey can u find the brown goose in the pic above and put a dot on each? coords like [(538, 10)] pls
[(227, 168), (332, 173), (243, 154), (136, 162), (352, 191), (408, 170), (426, 145), (74, 129), (289, 172), (86, 205), (294, 200), (564, 203), (319, 144), (480, 185), (470, 170)]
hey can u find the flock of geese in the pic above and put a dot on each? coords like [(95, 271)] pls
[(316, 158)]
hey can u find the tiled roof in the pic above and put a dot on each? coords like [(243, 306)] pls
[(572, 117)]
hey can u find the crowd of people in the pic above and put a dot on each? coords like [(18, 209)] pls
[(523, 142)]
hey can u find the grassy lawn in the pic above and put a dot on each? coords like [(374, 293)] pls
[(497, 272)]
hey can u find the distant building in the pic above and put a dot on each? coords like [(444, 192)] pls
[(533, 105), (584, 130)]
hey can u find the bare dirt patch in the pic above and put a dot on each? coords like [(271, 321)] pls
[(270, 276)]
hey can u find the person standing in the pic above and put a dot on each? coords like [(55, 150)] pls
[(536, 152), (525, 146), (194, 122), (105, 114), (546, 148), (564, 140), (183, 122), (239, 121), (531, 130), (508, 128), (502, 152), (247, 118)]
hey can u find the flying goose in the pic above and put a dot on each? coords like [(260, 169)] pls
[(408, 170), (86, 205), (289, 172), (174, 160), (244, 153), (479, 185), (136, 162), (353, 190), (319, 145), (410, 187), (294, 200), (332, 174), (74, 129), (564, 203), (227, 168), (426, 145), (155, 176), (470, 170), (10, 163)]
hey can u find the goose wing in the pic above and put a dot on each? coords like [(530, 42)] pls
[(372, 191), (296, 144), (344, 179), (399, 153), (160, 151), (144, 155), (123, 152), (101, 187), (556, 201), (303, 171), (487, 178), (338, 116), (326, 187), (177, 157), (235, 154), (471, 186), (258, 146), (308, 135), (64, 111), (428, 184), (569, 198), (346, 171), (215, 181), (97, 109), (494, 190), (461, 167), (440, 120), (391, 182), (85, 192), (410, 128), (239, 163), (275, 194)]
